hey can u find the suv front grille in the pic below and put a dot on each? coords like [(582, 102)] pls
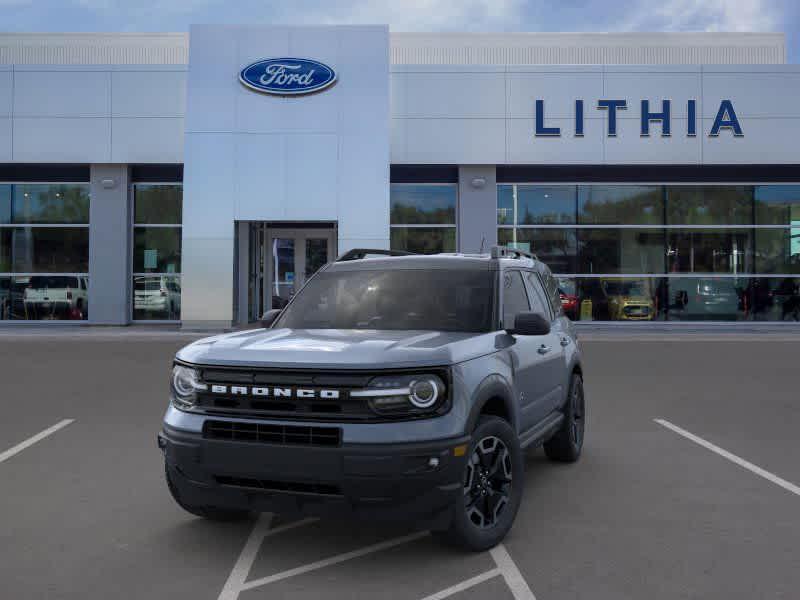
[(320, 395), (296, 487), (299, 435)]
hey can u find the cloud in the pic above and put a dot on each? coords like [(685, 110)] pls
[(705, 15), (416, 15)]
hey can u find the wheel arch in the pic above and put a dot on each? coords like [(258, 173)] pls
[(493, 396)]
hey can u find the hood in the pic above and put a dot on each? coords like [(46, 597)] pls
[(338, 348), (636, 300)]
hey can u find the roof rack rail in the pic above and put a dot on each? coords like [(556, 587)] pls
[(359, 253), (506, 252)]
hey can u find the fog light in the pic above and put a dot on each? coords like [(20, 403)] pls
[(433, 462)]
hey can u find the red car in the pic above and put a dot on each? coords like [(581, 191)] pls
[(569, 298)]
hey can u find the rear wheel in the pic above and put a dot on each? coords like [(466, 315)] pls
[(492, 487), (213, 513), (567, 443)]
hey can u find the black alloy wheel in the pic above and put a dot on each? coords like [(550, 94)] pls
[(577, 424), (493, 479), (487, 482)]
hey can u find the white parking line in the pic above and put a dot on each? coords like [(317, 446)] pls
[(237, 580), (240, 571), (508, 568), (33, 439), (464, 585), (333, 560), (732, 457)]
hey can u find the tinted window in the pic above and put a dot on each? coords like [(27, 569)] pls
[(45, 203), (621, 204), (440, 300), (538, 298), (551, 287), (423, 204), (709, 205), (424, 240), (777, 204), (515, 299)]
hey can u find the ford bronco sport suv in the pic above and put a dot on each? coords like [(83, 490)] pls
[(390, 386)]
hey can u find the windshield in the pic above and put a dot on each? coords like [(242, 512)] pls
[(40, 282), (625, 288), (438, 300)]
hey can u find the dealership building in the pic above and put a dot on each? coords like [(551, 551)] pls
[(200, 178)]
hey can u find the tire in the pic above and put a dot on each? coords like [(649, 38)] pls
[(470, 529), (212, 513), (567, 443)]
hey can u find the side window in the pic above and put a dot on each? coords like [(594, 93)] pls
[(551, 287), (539, 301), (515, 299)]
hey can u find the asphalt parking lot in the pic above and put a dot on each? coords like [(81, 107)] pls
[(702, 503)]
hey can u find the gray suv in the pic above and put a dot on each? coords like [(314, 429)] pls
[(398, 386)]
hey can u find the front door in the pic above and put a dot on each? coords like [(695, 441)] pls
[(291, 256)]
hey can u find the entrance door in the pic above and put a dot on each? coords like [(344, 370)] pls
[(291, 256)]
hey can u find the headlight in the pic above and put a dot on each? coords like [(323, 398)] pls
[(404, 394), (185, 385)]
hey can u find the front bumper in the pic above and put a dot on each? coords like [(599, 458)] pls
[(392, 481)]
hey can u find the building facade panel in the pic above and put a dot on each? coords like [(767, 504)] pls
[(78, 93), (61, 139), (133, 93), (147, 140)]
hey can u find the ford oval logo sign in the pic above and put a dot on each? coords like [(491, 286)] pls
[(287, 76)]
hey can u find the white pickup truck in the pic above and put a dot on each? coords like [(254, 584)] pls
[(56, 296)]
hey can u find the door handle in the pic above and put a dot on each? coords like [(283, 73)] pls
[(543, 349), (565, 341)]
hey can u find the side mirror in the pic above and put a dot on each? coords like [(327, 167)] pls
[(530, 323), (268, 318)]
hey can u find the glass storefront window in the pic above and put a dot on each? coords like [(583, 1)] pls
[(433, 205), (44, 250), (157, 250), (556, 247), (423, 204), (535, 204), (708, 299), (43, 264), (710, 251), (776, 299), (158, 204), (156, 297), (620, 251), (44, 204), (778, 250), (157, 214), (777, 205), (620, 204), (424, 240), (709, 205)]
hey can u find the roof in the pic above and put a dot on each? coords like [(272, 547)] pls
[(431, 261), (524, 48)]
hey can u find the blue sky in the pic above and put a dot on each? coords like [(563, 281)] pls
[(414, 15)]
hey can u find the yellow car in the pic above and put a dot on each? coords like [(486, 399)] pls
[(628, 299)]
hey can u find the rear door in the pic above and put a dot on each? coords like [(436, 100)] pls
[(528, 359)]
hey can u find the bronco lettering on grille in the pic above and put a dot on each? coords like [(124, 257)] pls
[(275, 392)]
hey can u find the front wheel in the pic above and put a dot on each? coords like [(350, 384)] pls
[(492, 487)]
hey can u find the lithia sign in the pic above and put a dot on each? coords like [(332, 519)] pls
[(726, 119)]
